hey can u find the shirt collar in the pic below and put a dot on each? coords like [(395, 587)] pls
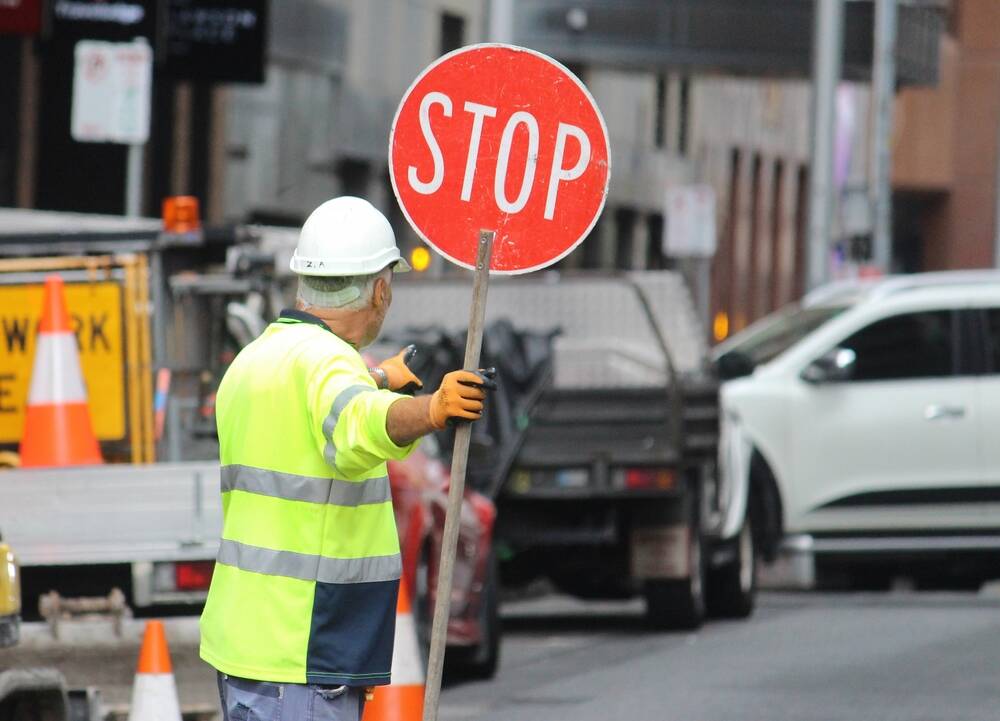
[(300, 316)]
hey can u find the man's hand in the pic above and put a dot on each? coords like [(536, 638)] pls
[(461, 396), (398, 376)]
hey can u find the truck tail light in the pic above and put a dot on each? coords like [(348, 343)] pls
[(563, 479), (661, 479), (193, 575)]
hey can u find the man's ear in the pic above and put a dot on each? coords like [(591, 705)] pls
[(380, 293)]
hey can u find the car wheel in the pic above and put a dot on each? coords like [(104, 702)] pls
[(680, 604), (481, 660), (732, 588)]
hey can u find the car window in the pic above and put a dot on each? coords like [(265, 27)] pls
[(993, 339), (913, 345), (785, 329)]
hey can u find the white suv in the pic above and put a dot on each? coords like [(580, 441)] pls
[(868, 416)]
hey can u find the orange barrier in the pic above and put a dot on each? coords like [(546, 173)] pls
[(57, 426), (154, 693), (403, 700)]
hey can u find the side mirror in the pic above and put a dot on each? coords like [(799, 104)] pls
[(734, 364), (835, 366)]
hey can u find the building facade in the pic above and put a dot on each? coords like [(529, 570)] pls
[(946, 151), (319, 126), (335, 71), (751, 143)]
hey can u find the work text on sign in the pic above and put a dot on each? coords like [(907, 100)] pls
[(96, 320)]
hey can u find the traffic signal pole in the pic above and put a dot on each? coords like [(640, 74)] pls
[(456, 489), (501, 23), (880, 158), (828, 33), (133, 180)]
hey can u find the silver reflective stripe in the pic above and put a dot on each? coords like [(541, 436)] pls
[(293, 487), (307, 567), (339, 404)]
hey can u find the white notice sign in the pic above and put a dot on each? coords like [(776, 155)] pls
[(112, 84), (689, 223)]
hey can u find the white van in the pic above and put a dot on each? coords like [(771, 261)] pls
[(873, 411)]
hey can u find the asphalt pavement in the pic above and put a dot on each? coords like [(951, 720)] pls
[(802, 657), (899, 656)]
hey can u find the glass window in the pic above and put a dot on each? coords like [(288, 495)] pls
[(993, 342), (779, 332), (914, 345), (452, 32)]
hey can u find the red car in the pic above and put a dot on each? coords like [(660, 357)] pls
[(420, 498)]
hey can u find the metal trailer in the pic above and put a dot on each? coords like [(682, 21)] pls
[(85, 530), (151, 531), (614, 491)]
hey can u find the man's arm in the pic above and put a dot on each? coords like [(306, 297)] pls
[(460, 397), (409, 419)]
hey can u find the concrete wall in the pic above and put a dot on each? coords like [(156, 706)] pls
[(751, 143), (963, 234), (644, 162), (946, 147), (924, 130), (320, 124), (640, 169)]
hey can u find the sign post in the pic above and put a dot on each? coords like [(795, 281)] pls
[(689, 235), (499, 159), (456, 489), (112, 90)]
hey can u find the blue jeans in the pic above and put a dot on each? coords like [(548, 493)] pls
[(246, 700)]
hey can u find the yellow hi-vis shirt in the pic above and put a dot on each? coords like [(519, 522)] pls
[(305, 583)]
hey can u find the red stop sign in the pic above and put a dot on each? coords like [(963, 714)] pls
[(502, 138)]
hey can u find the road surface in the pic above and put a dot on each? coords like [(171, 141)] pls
[(802, 657)]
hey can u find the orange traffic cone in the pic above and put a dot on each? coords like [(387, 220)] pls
[(57, 428), (404, 699), (154, 693)]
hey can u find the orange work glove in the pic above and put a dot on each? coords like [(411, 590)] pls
[(398, 376), (461, 396)]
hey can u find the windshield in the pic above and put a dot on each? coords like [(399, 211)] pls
[(784, 330)]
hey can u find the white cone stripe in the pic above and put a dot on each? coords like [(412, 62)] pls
[(56, 376), (407, 666), (154, 698)]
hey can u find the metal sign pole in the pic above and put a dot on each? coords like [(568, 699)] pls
[(883, 97), (459, 459), (828, 42), (133, 181)]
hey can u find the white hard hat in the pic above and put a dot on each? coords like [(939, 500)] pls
[(346, 236)]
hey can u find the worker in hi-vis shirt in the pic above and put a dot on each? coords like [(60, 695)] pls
[(300, 616)]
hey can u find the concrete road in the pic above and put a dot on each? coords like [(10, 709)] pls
[(89, 653), (802, 657)]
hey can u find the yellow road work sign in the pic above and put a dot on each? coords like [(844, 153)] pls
[(96, 312)]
